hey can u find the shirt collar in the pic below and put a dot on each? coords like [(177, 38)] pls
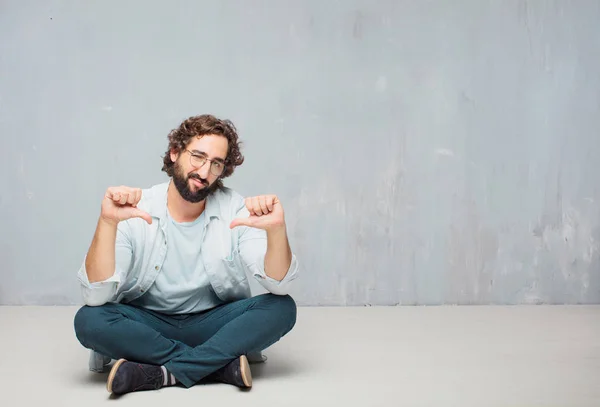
[(212, 208)]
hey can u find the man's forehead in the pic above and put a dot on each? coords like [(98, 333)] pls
[(211, 145)]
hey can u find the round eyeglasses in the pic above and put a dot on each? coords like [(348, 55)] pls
[(198, 160)]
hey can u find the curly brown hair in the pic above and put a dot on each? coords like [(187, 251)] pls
[(202, 125)]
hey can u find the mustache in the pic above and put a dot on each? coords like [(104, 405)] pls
[(197, 177)]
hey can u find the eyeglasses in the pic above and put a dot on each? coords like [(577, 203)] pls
[(197, 161)]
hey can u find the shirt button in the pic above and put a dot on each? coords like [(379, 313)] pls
[(156, 267)]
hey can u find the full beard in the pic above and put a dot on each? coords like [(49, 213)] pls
[(182, 183)]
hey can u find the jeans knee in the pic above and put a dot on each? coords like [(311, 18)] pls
[(281, 309), (290, 306), (81, 323), (288, 309), (87, 323)]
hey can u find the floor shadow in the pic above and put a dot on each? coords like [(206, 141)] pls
[(95, 378), (274, 368)]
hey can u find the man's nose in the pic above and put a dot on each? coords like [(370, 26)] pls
[(204, 171)]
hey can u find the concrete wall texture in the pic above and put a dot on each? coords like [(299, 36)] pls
[(426, 152)]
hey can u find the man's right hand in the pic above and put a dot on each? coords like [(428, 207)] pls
[(120, 203)]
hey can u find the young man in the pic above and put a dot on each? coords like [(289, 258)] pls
[(165, 278)]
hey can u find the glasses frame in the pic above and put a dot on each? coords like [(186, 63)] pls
[(201, 157)]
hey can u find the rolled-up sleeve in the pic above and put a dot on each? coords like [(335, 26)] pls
[(253, 248), (101, 292), (274, 286)]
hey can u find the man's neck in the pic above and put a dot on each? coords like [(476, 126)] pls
[(180, 209)]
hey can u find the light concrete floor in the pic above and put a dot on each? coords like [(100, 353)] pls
[(393, 356)]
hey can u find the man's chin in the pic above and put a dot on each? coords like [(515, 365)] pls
[(196, 193), (194, 197)]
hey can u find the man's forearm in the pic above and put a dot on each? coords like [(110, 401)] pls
[(100, 260), (279, 254)]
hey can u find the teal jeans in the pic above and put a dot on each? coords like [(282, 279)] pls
[(190, 346)]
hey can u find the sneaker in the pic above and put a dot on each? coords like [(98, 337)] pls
[(127, 376), (237, 373)]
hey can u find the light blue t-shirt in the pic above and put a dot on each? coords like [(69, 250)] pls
[(182, 286)]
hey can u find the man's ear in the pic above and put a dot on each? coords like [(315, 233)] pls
[(174, 155)]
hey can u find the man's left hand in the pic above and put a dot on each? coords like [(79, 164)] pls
[(266, 213)]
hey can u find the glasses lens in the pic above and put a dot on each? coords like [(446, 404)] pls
[(217, 168), (197, 160)]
